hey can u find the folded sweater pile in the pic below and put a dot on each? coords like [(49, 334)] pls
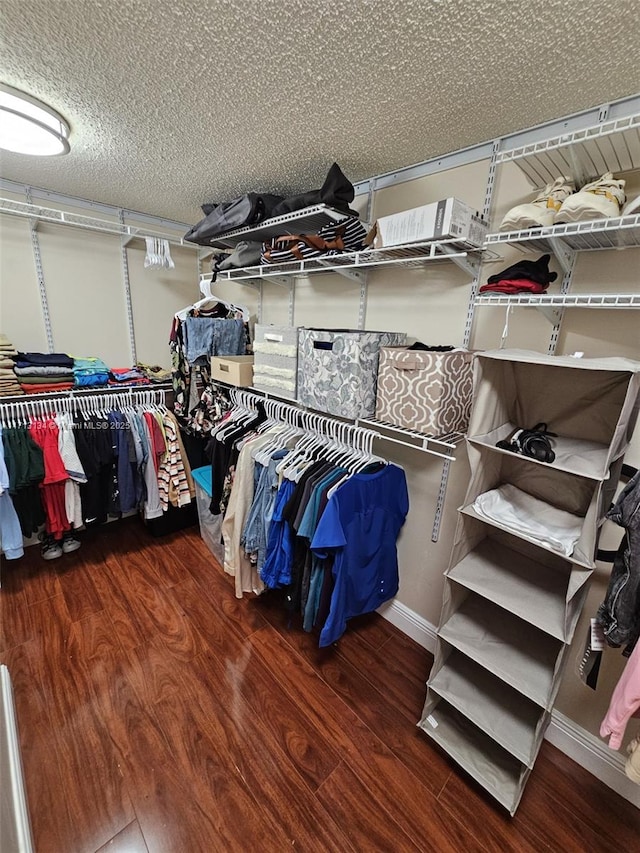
[(90, 372), (127, 376), (154, 372), (40, 372), (8, 382)]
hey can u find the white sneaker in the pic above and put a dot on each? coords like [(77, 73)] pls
[(632, 766), (51, 549), (70, 543), (632, 206), (543, 208), (601, 199)]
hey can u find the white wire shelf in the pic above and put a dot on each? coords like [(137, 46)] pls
[(410, 255), (585, 154), (307, 220), (443, 446), (621, 232), (50, 215), (564, 300)]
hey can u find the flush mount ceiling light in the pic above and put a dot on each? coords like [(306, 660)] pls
[(27, 126)]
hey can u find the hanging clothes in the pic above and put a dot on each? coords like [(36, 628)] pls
[(625, 702), (115, 454), (619, 613), (126, 462), (320, 524), (45, 435), (209, 327), (95, 451), (256, 528), (10, 532), (236, 562), (73, 466), (223, 452), (175, 482), (360, 527)]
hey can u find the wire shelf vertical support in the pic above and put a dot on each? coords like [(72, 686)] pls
[(127, 291), (442, 493), (292, 300), (568, 264), (486, 213), (37, 257), (362, 305)]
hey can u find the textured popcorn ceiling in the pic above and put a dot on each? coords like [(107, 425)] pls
[(175, 103)]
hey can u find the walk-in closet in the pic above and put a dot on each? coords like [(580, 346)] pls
[(319, 442)]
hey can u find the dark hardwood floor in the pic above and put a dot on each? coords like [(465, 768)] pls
[(160, 714)]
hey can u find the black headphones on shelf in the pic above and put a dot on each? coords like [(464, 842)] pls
[(535, 443)]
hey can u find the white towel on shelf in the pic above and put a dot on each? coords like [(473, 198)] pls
[(528, 516)]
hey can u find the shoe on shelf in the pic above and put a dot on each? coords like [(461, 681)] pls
[(542, 210), (51, 549), (70, 543), (600, 199), (632, 206), (632, 766)]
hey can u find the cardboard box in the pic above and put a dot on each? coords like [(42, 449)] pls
[(449, 219), (233, 369)]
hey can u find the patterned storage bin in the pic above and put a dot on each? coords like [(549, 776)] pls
[(426, 391), (338, 368), (276, 360)]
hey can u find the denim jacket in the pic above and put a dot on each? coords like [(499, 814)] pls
[(619, 614)]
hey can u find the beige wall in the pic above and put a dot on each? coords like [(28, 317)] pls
[(85, 292), (84, 280)]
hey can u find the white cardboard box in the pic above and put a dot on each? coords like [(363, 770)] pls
[(448, 219)]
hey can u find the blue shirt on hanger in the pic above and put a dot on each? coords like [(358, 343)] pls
[(360, 525)]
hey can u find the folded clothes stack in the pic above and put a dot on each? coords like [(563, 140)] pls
[(522, 277), (154, 372), (127, 376), (90, 372), (9, 386), (40, 372)]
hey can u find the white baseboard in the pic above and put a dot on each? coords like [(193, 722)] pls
[(593, 754), (584, 748), (407, 621)]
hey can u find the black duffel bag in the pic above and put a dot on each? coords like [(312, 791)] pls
[(249, 209), (337, 191)]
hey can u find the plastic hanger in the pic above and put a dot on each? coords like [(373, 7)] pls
[(300, 450), (209, 297)]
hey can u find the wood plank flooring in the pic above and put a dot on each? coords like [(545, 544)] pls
[(159, 714)]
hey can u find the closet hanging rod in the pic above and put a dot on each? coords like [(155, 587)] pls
[(443, 447), (131, 396), (332, 428), (339, 430), (11, 413)]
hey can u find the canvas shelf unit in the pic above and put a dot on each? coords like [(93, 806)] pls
[(511, 601)]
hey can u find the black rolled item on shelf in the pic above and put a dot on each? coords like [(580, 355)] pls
[(249, 209), (337, 191)]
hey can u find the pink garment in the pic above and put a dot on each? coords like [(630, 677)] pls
[(625, 701), (514, 285)]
